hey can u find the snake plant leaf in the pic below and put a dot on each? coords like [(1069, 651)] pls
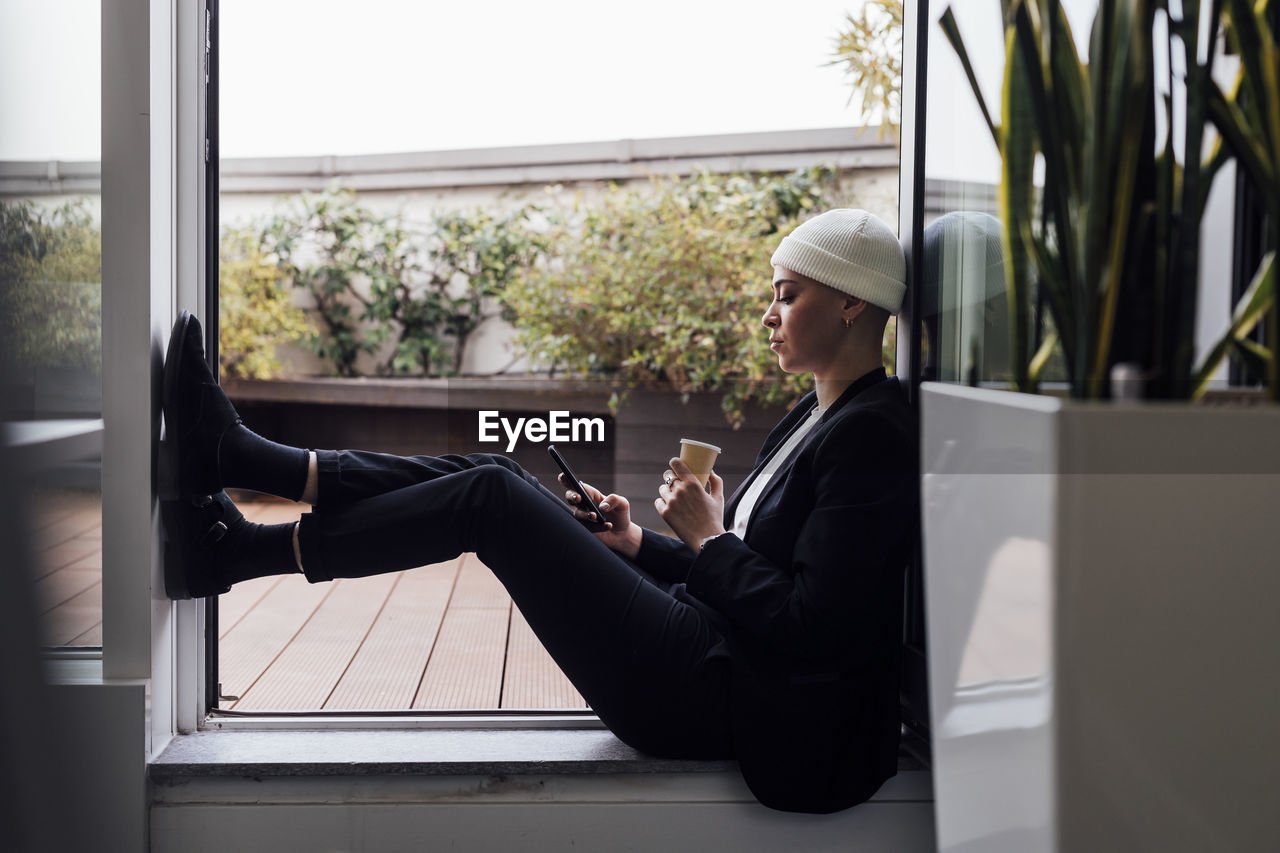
[(1058, 294), (1115, 161), (1068, 86), (1257, 359), (1257, 298), (1219, 156), (1071, 76), (1253, 306), (1258, 55), (1234, 126), (1037, 71), (1018, 140), (952, 31), (1042, 356)]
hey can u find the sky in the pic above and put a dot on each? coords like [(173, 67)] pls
[(378, 76), (50, 80)]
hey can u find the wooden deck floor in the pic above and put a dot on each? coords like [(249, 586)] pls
[(67, 539), (442, 636)]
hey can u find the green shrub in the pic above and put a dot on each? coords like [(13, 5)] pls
[(51, 285), (256, 313), (372, 280), (332, 247), (668, 283), (471, 258)]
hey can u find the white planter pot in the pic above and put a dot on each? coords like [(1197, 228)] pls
[(1103, 601)]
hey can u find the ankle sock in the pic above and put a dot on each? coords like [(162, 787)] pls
[(250, 550), (246, 460)]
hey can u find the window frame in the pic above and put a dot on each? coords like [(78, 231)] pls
[(212, 686), (153, 220), (149, 685), (914, 691), (180, 252)]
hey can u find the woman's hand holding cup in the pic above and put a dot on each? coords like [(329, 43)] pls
[(692, 510)]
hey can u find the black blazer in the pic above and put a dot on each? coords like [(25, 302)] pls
[(813, 600)]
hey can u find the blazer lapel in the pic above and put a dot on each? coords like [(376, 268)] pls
[(783, 469), (796, 416), (800, 413), (731, 507)]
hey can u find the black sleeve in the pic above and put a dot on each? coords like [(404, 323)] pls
[(832, 600), (664, 557)]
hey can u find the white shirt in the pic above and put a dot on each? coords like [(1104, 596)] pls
[(743, 512)]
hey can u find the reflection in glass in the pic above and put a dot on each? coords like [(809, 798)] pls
[(51, 300), (965, 317), (964, 307), (51, 328)]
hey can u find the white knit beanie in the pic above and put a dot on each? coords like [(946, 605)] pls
[(851, 251)]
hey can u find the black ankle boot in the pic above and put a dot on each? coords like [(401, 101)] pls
[(197, 414), (193, 530)]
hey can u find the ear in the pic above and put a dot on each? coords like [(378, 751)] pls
[(853, 307)]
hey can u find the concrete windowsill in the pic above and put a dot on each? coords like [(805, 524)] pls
[(423, 752), (401, 753)]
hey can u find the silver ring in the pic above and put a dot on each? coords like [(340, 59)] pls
[(668, 479)]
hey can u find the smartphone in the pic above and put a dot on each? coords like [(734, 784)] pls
[(576, 484)]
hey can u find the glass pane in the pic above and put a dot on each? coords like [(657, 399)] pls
[(404, 102), (964, 310), (51, 296), (964, 334)]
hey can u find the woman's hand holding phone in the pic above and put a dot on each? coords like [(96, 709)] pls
[(616, 530)]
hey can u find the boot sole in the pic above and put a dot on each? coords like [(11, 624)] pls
[(175, 577), (170, 475)]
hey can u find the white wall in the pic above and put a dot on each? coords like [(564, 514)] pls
[(642, 812)]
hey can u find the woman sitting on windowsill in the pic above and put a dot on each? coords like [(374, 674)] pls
[(769, 632)]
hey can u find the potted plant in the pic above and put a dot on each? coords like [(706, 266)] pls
[(1098, 574)]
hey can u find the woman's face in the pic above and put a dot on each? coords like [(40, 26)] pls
[(806, 327)]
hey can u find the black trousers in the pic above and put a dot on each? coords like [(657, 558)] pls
[(650, 661)]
